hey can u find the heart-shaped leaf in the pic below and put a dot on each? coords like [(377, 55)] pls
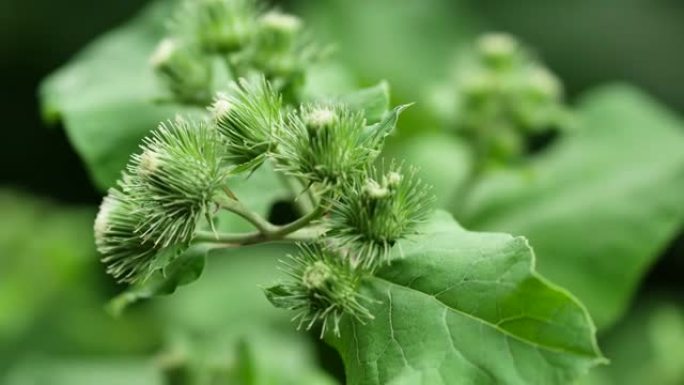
[(467, 308)]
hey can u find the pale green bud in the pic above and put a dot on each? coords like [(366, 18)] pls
[(324, 287), (497, 49), (316, 275), (325, 144), (248, 116), (368, 219), (186, 73)]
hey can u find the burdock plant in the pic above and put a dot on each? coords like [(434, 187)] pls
[(266, 149)]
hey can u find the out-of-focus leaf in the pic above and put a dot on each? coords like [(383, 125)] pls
[(51, 294), (467, 308), (184, 269), (378, 39), (646, 348), (43, 250), (105, 96), (601, 204), (373, 101), (84, 372), (442, 160)]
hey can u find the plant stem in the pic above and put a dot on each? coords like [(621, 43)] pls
[(243, 239), (238, 208), (266, 231)]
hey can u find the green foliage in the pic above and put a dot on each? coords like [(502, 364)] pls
[(467, 308), (645, 347), (402, 303), (619, 175)]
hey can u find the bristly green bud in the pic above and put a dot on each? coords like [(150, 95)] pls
[(248, 117), (186, 73), (174, 180), (323, 287), (281, 51), (326, 144), (375, 211), (505, 97), (218, 26), (128, 256), (497, 49)]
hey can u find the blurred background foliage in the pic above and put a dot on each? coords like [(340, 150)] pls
[(53, 327)]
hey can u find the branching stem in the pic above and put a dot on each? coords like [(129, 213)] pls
[(265, 230)]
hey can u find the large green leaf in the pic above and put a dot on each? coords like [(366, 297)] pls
[(84, 372), (467, 308), (600, 205), (105, 96)]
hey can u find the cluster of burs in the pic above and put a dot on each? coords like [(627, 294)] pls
[(500, 97), (172, 189)]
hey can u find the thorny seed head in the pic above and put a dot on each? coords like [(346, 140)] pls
[(323, 287), (325, 144), (183, 70), (281, 22), (174, 180), (218, 26), (371, 215), (248, 116), (128, 256), (504, 96), (497, 49)]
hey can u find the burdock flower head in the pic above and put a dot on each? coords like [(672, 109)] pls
[(375, 211), (168, 188), (218, 26), (325, 144), (128, 256), (323, 287), (185, 72), (248, 116)]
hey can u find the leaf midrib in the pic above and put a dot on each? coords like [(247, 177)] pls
[(493, 326)]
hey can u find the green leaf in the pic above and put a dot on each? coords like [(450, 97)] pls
[(44, 249), (601, 204), (442, 161), (184, 269), (387, 124), (84, 372), (105, 96), (373, 101), (467, 308)]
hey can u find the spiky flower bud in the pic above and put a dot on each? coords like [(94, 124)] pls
[(128, 256), (497, 49), (323, 287), (506, 97), (278, 30), (371, 215), (219, 26), (174, 180), (325, 144), (248, 117), (280, 50), (186, 73)]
